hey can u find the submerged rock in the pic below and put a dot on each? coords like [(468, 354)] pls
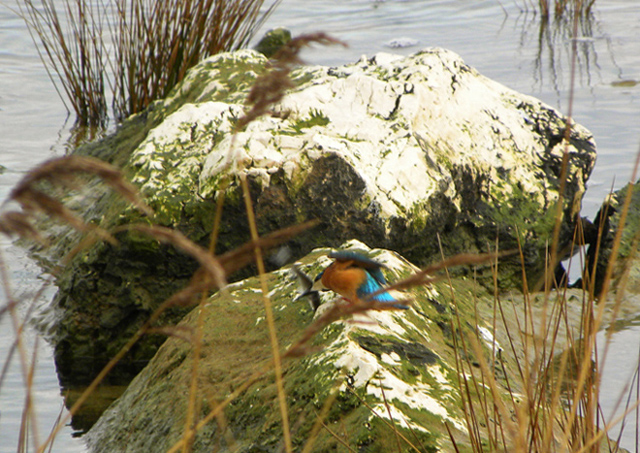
[(414, 154), (617, 217)]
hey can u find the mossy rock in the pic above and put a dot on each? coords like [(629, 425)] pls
[(406, 358), (417, 154)]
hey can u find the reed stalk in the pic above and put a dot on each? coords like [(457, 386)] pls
[(129, 53)]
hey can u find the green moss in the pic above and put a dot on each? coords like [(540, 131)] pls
[(140, 243), (632, 222), (522, 211), (419, 216), (442, 158), (303, 75), (272, 41), (315, 118), (234, 74)]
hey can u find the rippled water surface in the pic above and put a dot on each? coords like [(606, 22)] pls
[(497, 38)]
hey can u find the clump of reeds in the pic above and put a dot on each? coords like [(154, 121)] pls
[(132, 52), (553, 404), (550, 399), (560, 8)]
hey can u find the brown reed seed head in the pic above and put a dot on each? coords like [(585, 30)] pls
[(17, 223), (64, 171), (32, 193)]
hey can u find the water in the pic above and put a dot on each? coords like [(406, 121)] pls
[(497, 38), (31, 130), (619, 378), (25, 283)]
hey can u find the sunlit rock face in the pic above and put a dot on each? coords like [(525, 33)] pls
[(393, 150), (370, 371), (417, 154)]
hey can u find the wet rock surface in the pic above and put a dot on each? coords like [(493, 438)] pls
[(612, 251)]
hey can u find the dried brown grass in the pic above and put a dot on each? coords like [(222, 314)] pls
[(132, 52), (559, 8)]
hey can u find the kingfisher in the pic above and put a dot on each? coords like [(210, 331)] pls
[(306, 288), (355, 277)]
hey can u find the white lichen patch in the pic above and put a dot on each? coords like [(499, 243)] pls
[(390, 359), (376, 376), (416, 395), (435, 372), (169, 160), (489, 339), (391, 413), (278, 289), (386, 322), (363, 364)]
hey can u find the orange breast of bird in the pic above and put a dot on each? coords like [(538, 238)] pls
[(343, 279)]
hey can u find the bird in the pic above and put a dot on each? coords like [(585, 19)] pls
[(356, 278), (306, 288)]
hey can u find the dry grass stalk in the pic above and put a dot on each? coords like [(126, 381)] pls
[(18, 223), (236, 259), (317, 426), (559, 409), (425, 276), (209, 263), (72, 48), (338, 310), (273, 337), (29, 413), (65, 171), (157, 42), (134, 51), (561, 8), (32, 193), (214, 276)]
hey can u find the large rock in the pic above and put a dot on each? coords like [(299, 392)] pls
[(405, 357), (402, 153), (394, 367)]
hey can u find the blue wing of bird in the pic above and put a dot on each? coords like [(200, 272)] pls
[(372, 266), (370, 286)]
